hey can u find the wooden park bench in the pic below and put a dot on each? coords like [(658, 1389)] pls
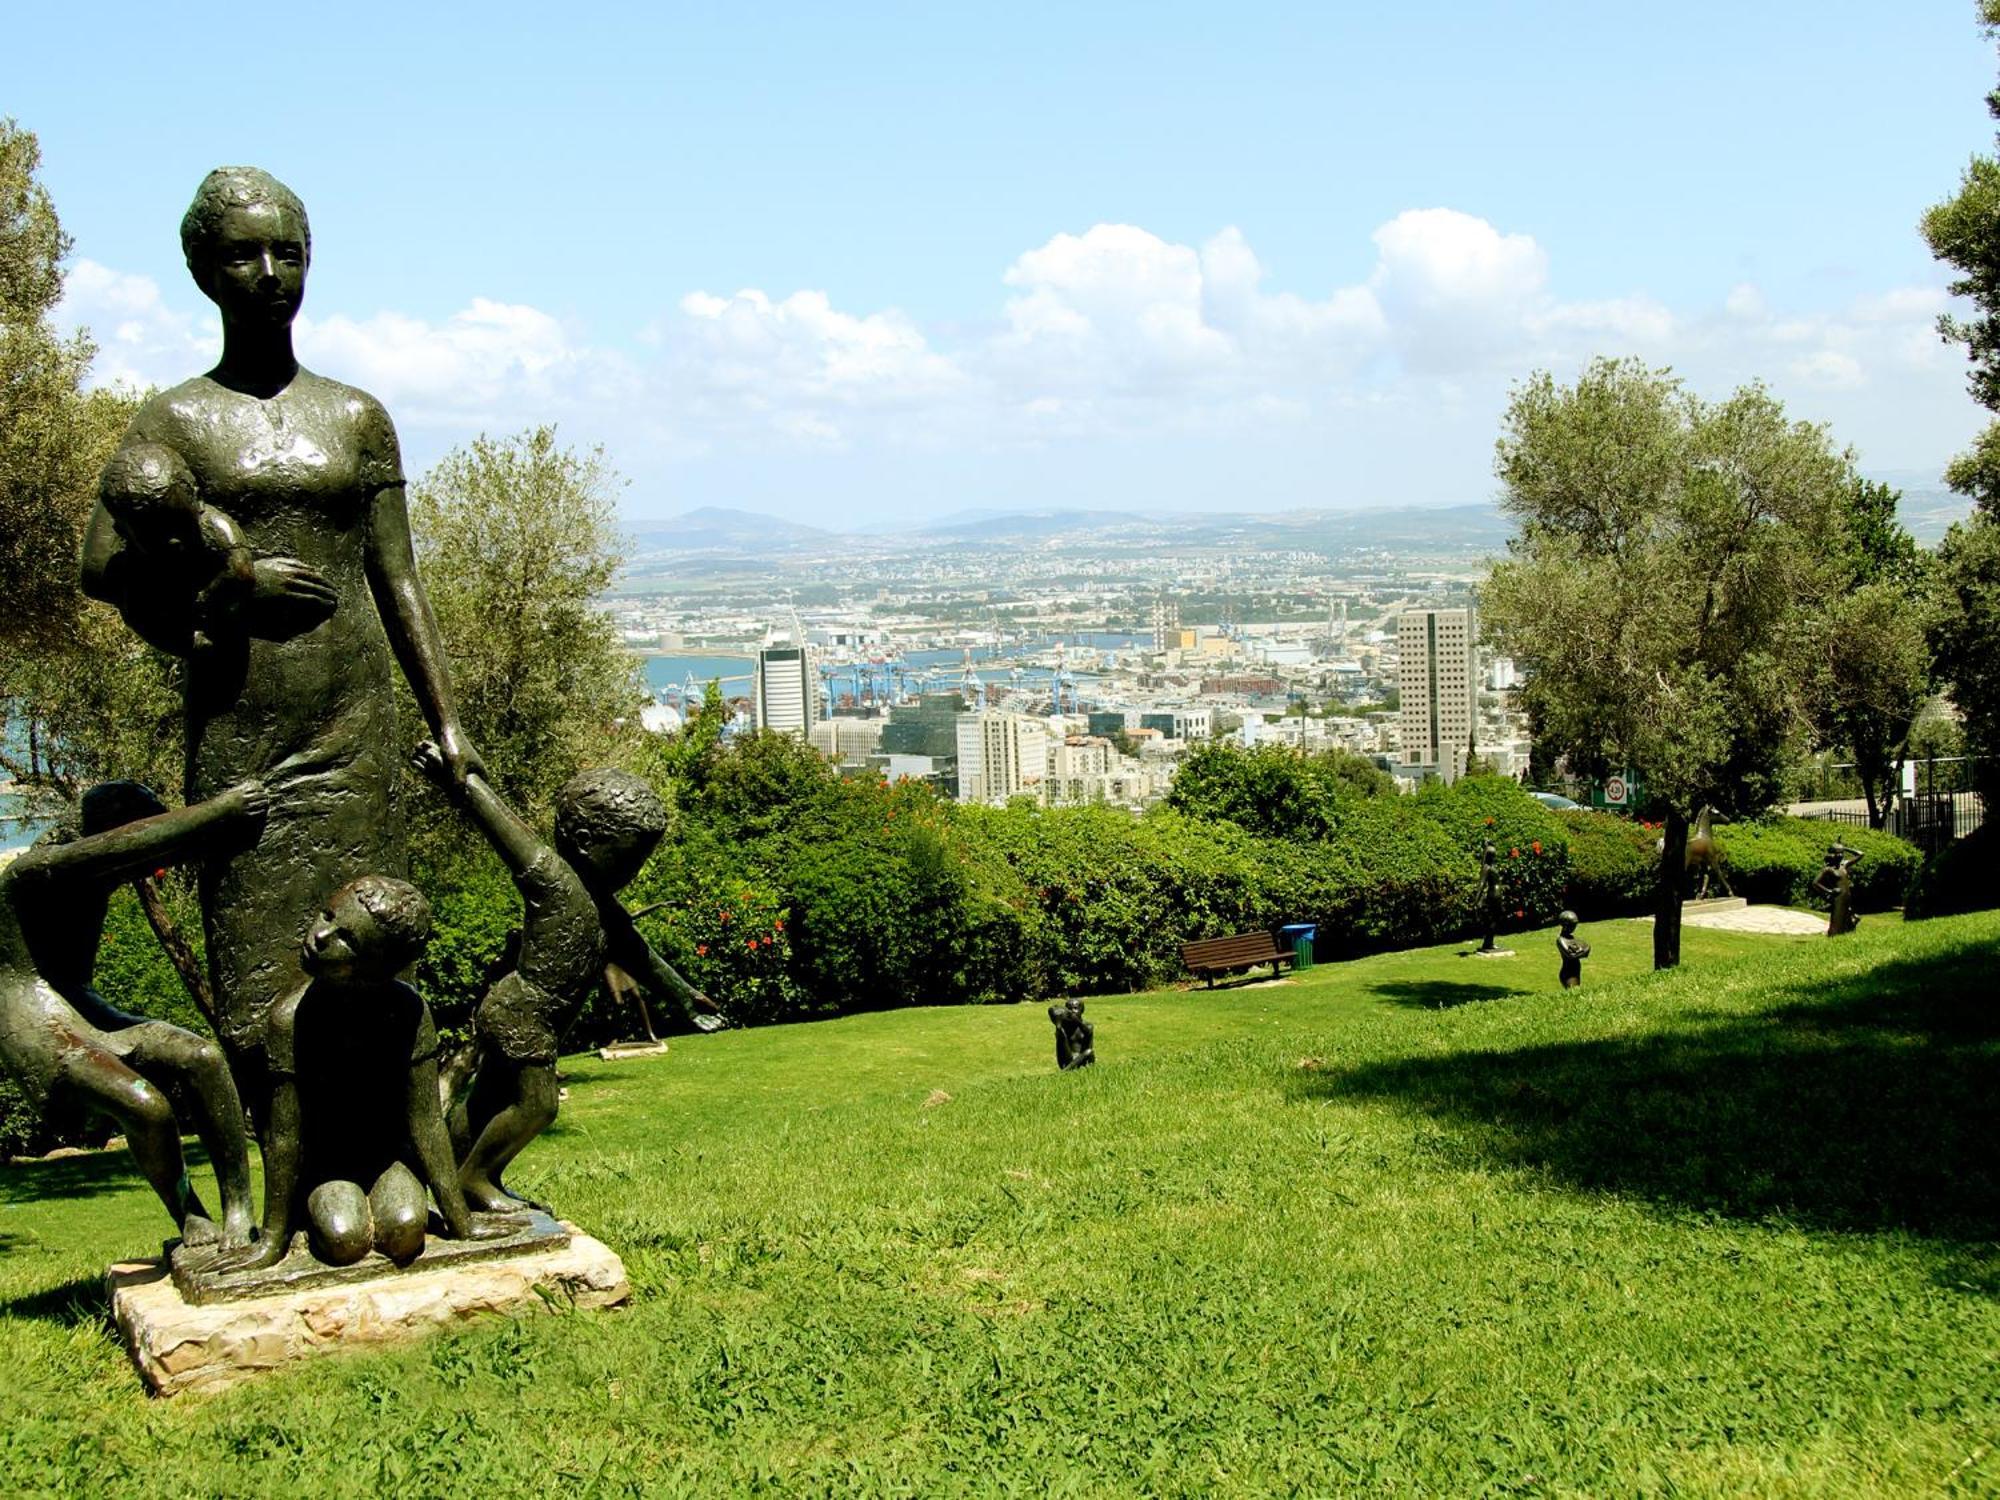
[(1223, 955)]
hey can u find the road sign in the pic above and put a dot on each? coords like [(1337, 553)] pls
[(1614, 791)]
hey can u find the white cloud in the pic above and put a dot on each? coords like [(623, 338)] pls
[(1111, 334), (141, 341)]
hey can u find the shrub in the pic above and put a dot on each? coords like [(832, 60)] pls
[(1776, 860), (1962, 876), (1614, 864), (1531, 846)]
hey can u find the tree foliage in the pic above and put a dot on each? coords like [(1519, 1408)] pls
[(1272, 789), (1664, 592), (517, 541), (1964, 231), (86, 700)]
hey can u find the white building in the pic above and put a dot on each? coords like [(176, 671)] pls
[(1078, 766), (1000, 756), (1438, 676), (784, 690), (845, 738)]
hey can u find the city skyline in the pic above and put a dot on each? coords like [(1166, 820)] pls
[(1129, 260)]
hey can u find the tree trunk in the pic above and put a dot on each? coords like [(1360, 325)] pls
[(179, 953), (1667, 894)]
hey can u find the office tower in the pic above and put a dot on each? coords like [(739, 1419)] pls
[(1438, 675), (785, 694)]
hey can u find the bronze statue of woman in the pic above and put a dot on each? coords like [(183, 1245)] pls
[(309, 471)]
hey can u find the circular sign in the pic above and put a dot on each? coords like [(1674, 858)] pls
[(1614, 790)]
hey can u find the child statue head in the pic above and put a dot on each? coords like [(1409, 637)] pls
[(372, 929), (608, 823), (151, 496)]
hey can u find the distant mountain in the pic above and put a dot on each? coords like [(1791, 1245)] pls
[(715, 528)]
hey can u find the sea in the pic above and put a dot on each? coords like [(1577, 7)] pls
[(939, 670)]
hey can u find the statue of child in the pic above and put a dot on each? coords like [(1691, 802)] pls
[(1572, 949), (65, 1047), (154, 504), (354, 1031), (574, 932)]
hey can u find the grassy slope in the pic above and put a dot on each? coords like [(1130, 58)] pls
[(1390, 1227)]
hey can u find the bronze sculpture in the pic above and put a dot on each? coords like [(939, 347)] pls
[(66, 1047), (1836, 880), (309, 472), (354, 1033), (1489, 896), (1076, 1038), (1571, 950), (253, 521), (574, 932), (1705, 854)]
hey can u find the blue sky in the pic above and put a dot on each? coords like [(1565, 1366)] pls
[(867, 261)]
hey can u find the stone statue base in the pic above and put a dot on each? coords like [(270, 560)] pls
[(181, 1345), (1492, 952), (618, 1051), (299, 1271)]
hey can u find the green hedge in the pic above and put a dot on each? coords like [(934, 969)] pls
[(1775, 860), (1614, 863)]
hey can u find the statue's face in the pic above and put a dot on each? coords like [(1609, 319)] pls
[(254, 269), (344, 942)]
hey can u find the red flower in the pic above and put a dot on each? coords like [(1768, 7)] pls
[(1536, 846), (1518, 912), (779, 925), (701, 950), (725, 916), (1513, 853), (751, 945)]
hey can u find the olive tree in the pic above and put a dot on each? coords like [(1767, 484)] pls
[(517, 539), (1665, 591)]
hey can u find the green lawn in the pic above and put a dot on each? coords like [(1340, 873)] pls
[(1416, 1224)]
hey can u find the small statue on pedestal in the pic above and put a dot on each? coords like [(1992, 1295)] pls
[(1076, 1038), (1572, 949), (1836, 879)]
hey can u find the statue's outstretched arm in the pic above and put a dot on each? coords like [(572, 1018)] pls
[(141, 846), (412, 628)]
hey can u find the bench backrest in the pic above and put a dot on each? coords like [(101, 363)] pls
[(1244, 948)]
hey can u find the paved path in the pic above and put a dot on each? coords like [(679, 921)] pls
[(1778, 920)]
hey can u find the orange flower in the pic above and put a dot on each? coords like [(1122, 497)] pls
[(1536, 846), (701, 950), (725, 916), (1513, 853), (1518, 912), (751, 945)]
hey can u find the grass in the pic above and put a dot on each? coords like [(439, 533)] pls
[(1418, 1224)]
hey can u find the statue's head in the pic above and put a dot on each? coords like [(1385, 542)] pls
[(248, 244), (151, 493), (372, 929), (1567, 921), (608, 823), (113, 804)]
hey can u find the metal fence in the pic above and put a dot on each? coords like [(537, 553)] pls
[(1930, 821)]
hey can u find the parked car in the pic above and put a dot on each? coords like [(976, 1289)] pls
[(1556, 802)]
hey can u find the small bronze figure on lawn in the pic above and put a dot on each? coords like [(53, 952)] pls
[(1489, 896), (1076, 1038), (573, 934), (66, 1048), (1572, 949), (1836, 879)]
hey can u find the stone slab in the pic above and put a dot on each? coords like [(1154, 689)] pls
[(300, 1270), (1492, 952), (618, 1051), (1713, 903), (180, 1346), (1769, 921)]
